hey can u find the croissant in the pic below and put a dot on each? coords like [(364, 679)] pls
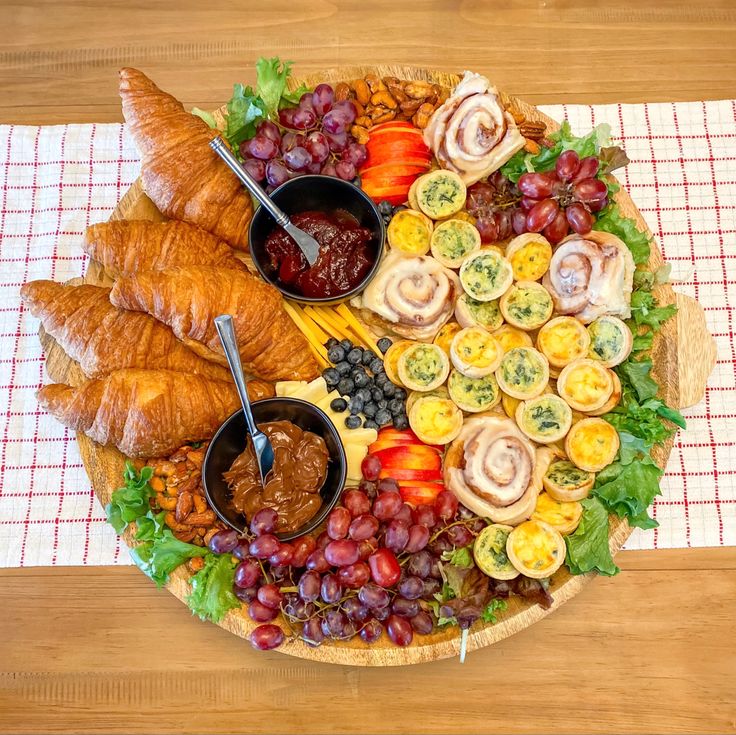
[(124, 247), (144, 413), (103, 338), (189, 298), (183, 177)]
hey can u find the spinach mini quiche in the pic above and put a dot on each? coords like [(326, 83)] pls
[(423, 367), (472, 313), (526, 305), (523, 373), (453, 240), (473, 394), (610, 341), (485, 275), (440, 194), (544, 419), (566, 482), (489, 552)]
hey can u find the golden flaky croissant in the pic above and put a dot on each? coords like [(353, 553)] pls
[(103, 338), (144, 413), (130, 246), (188, 299), (184, 178)]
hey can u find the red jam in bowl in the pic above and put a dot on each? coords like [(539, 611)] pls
[(345, 256)]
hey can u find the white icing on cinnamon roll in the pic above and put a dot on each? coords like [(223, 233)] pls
[(471, 133), (591, 275), (415, 296)]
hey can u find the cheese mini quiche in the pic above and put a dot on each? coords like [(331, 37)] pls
[(536, 549), (529, 255), (453, 240), (591, 444), (566, 482), (544, 419), (435, 420), (610, 341), (391, 359), (415, 395), (489, 552), (523, 373), (526, 305), (472, 313), (485, 275), (585, 384), (511, 337), (423, 367), (612, 402), (409, 232), (473, 394), (444, 337), (562, 340), (475, 352), (562, 516)]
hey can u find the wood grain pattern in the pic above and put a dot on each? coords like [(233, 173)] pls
[(104, 464)]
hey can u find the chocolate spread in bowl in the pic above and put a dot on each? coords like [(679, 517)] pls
[(292, 487)]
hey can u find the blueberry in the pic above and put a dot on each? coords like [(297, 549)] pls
[(401, 422), (369, 409), (347, 345), (396, 406), (331, 342), (381, 379), (370, 424), (382, 404), (338, 404), (389, 390), (353, 422), (365, 394), (335, 354), (382, 417), (383, 344), (399, 208), (354, 356), (368, 357), (399, 393), (377, 394), (345, 387), (385, 208), (343, 368), (361, 380), (331, 376), (356, 404), (376, 366)]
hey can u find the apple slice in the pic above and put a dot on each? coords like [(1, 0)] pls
[(404, 436), (420, 493), (395, 151), (399, 473), (414, 166), (404, 124), (409, 456)]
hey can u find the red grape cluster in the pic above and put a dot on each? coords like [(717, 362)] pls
[(561, 199), (312, 138), (495, 205), (374, 567)]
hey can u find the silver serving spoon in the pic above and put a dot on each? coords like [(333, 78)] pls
[(261, 443), (307, 244)]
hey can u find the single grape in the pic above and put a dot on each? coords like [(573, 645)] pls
[(404, 514), (355, 610), (270, 130), (302, 548), (419, 564), (542, 214), (435, 571), (504, 223), (597, 206), (283, 556), (322, 540), (331, 590), (264, 521), (290, 140), (371, 631), (405, 608), (388, 483), (223, 542), (322, 99), (303, 119), (260, 613), (431, 588), (337, 623), (312, 633), (459, 536), (370, 467), (305, 102), (329, 170), (424, 515), (325, 628), (527, 203), (342, 553), (266, 637), (354, 576), (263, 546), (488, 229), (367, 547), (334, 123), (557, 229), (579, 218), (382, 613), (316, 561), (385, 569), (373, 596), (286, 116), (397, 536), (336, 141), (256, 168), (309, 586), (440, 545), (363, 527), (297, 159), (418, 538), (270, 596), (410, 587), (241, 551), (567, 165), (399, 630), (537, 186), (356, 502), (590, 190), (262, 147), (276, 173), (345, 170), (518, 221), (338, 523), (248, 572), (445, 505), (318, 146), (422, 623), (588, 168), (480, 196), (356, 154), (387, 505), (245, 594), (467, 616)]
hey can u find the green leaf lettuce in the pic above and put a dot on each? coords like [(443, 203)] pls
[(212, 588), (587, 548)]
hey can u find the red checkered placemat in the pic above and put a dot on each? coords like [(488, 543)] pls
[(57, 180)]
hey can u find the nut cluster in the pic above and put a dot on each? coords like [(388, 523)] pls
[(533, 130)]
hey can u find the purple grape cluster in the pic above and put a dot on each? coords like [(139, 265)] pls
[(312, 138)]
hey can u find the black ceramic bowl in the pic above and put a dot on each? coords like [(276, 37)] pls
[(229, 442), (321, 193)]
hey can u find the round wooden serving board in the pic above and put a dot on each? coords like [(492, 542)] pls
[(684, 355)]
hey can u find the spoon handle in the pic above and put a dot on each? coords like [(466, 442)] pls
[(226, 331), (218, 146)]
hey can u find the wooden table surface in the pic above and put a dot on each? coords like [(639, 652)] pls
[(101, 650)]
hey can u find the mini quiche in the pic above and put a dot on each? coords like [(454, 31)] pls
[(536, 549), (445, 336), (510, 404), (485, 275), (585, 384), (523, 373), (526, 305), (415, 395), (529, 255), (544, 419), (453, 240), (472, 313), (409, 232), (435, 420), (391, 359), (610, 341), (475, 352), (423, 367), (511, 337), (489, 552), (440, 193), (591, 444), (562, 340), (562, 516), (566, 482), (473, 394), (612, 402)]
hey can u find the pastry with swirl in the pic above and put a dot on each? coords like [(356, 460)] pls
[(471, 133), (591, 275), (410, 297), (494, 470)]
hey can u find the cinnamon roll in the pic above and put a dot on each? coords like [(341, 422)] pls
[(471, 133), (411, 297), (591, 275), (495, 470)]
